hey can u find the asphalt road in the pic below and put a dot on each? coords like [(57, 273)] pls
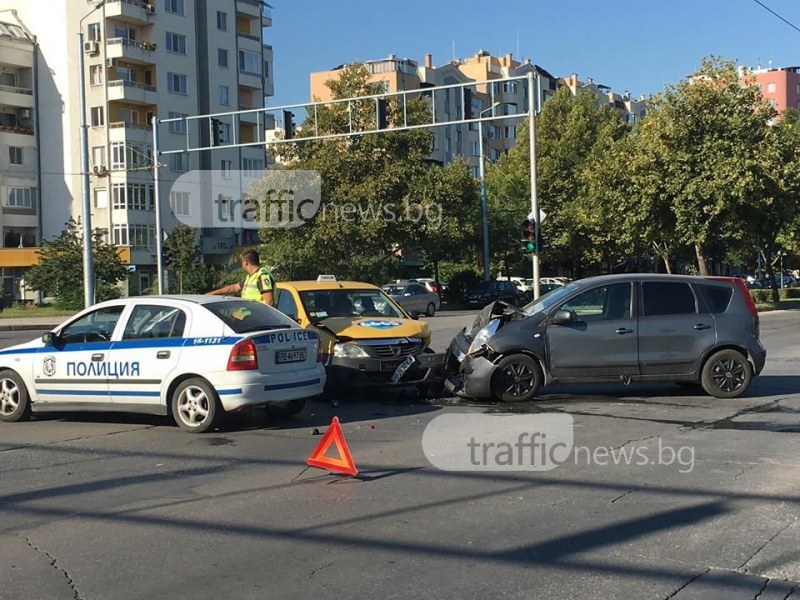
[(115, 506)]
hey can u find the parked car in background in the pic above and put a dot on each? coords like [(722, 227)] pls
[(414, 298), (632, 327), (487, 292), (430, 284)]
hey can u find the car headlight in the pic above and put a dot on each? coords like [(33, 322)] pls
[(349, 350), (483, 335)]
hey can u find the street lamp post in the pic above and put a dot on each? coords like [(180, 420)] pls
[(534, 198), (484, 206), (88, 257)]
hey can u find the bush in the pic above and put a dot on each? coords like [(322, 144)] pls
[(459, 283), (761, 296), (790, 293)]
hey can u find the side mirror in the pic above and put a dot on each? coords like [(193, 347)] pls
[(49, 339), (562, 317)]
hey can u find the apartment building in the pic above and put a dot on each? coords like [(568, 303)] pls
[(164, 58), (501, 98), (780, 86), (630, 109), (20, 214)]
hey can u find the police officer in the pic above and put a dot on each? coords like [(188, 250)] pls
[(258, 284)]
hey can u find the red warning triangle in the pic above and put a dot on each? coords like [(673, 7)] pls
[(343, 464)]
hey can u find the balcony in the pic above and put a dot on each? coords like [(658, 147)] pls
[(132, 92), (130, 50), (120, 131), (16, 96), (131, 11), (255, 9)]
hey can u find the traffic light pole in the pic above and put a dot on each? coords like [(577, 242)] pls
[(534, 199), (157, 207), (484, 206)]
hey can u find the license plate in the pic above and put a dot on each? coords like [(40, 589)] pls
[(402, 368), (460, 356), (290, 356)]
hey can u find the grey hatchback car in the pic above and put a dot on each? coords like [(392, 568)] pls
[(632, 327)]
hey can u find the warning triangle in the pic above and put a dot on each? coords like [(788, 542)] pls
[(343, 464)]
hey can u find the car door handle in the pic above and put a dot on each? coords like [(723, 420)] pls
[(623, 331), (163, 354), (97, 357), (701, 326)]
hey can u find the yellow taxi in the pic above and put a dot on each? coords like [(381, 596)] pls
[(365, 337)]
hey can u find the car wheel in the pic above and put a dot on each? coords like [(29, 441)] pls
[(195, 405), (516, 379), (284, 410), (15, 404), (431, 310), (727, 374)]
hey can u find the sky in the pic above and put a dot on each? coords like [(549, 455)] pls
[(634, 45)]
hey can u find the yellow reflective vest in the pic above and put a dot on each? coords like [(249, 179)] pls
[(256, 284)]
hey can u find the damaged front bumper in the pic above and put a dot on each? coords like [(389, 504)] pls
[(465, 375), (426, 368)]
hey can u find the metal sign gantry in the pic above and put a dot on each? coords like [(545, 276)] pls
[(262, 115)]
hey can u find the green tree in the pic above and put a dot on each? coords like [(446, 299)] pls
[(190, 275), (370, 185), (60, 268)]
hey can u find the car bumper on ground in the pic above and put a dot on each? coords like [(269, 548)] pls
[(241, 389), (426, 368), (465, 375)]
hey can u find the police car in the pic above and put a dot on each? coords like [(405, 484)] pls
[(194, 357)]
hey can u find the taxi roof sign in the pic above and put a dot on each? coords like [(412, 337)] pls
[(326, 278)]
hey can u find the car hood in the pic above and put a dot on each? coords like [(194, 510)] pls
[(368, 328), (33, 344)]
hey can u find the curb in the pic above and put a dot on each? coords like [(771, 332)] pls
[(29, 327)]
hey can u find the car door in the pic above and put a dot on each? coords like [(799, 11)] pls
[(600, 341), (147, 353), (72, 371), (672, 332)]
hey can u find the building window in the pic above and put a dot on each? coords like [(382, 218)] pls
[(225, 167), (511, 132), (15, 155), (510, 87), (99, 156), (98, 116), (252, 167), (178, 163), (130, 155), (125, 74), (249, 62), (222, 21), (222, 57), (19, 198), (770, 88), (224, 95), (179, 201), (93, 32), (96, 75), (773, 103), (509, 108), (127, 33), (176, 84), (174, 6), (474, 148), (138, 237), (176, 43), (177, 126), (132, 196)]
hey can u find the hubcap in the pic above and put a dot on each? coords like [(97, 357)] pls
[(519, 379), (9, 396), (728, 374), (193, 406)]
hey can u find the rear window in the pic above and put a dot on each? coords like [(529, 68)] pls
[(719, 297), (245, 316), (667, 298)]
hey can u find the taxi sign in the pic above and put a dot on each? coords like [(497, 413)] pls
[(326, 278)]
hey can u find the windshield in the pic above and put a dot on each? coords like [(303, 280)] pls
[(394, 290), (549, 299), (324, 304), (245, 316)]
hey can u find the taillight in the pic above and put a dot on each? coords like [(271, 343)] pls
[(243, 357)]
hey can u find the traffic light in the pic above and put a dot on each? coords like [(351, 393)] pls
[(215, 126), (382, 113), (166, 256), (288, 125), (529, 236)]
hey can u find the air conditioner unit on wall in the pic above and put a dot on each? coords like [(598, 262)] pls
[(91, 47), (151, 9)]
